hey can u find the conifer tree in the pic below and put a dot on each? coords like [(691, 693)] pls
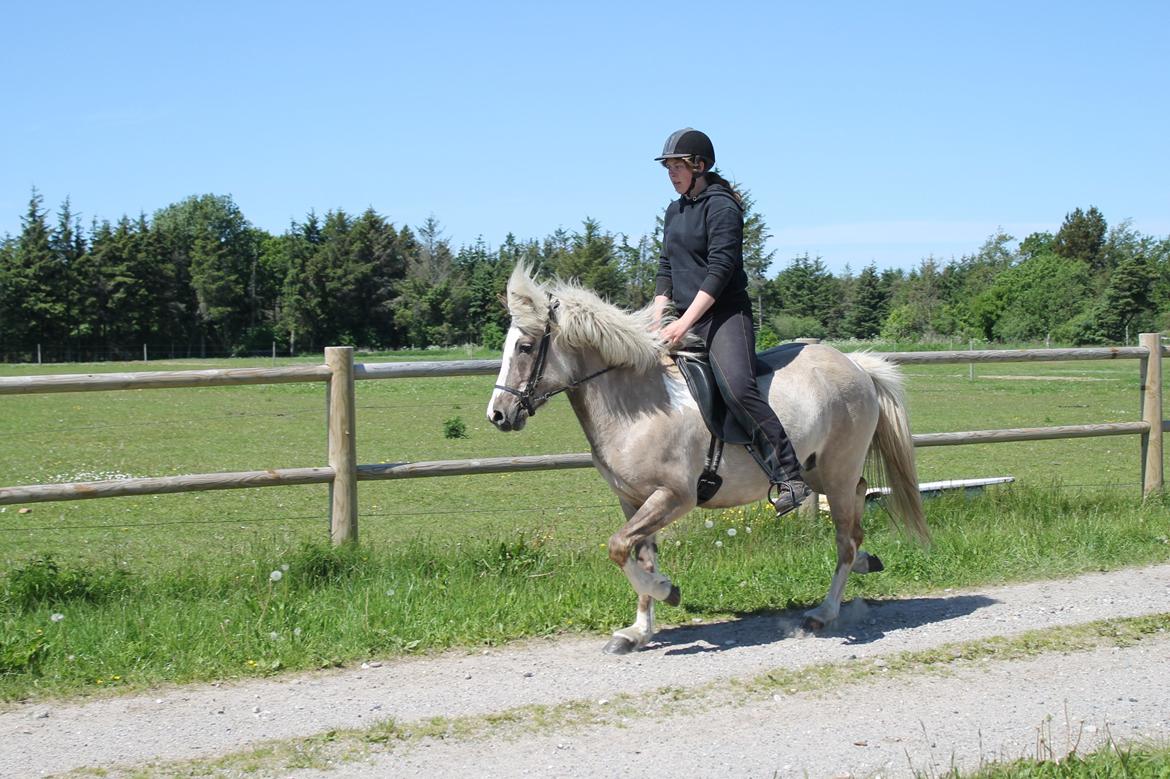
[(868, 306)]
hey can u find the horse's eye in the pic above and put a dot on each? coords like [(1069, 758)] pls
[(524, 347)]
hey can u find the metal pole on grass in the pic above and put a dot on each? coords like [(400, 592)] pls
[(342, 449), (1152, 471)]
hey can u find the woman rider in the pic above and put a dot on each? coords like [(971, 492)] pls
[(701, 273)]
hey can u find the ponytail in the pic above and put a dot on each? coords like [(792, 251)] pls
[(714, 178)]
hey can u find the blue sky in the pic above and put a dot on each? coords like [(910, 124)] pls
[(865, 131)]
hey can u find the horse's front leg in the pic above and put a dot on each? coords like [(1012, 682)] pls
[(639, 634), (633, 548)]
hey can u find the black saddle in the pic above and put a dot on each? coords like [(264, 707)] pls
[(696, 369)]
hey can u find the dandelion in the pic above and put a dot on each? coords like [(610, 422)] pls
[(284, 567), (276, 576), (57, 617), (252, 663), (116, 678), (274, 636), (390, 593), (718, 544), (708, 524), (101, 681), (297, 632), (731, 531), (748, 529)]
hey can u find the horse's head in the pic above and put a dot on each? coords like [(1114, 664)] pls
[(528, 364)]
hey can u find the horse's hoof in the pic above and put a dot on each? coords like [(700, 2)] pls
[(619, 645), (812, 625), (674, 597), (875, 564)]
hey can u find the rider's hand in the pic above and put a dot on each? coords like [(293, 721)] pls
[(673, 334)]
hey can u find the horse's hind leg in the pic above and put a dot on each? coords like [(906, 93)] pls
[(636, 635), (846, 510), (864, 562)]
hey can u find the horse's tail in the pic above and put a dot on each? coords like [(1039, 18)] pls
[(893, 445)]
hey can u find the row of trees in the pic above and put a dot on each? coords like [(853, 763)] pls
[(198, 278), (1085, 284)]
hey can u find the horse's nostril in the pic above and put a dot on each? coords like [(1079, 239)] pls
[(497, 416)]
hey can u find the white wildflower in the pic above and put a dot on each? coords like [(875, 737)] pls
[(708, 524), (284, 567), (57, 617), (731, 531), (276, 576), (719, 544)]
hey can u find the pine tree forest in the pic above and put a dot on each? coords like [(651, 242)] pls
[(198, 279)]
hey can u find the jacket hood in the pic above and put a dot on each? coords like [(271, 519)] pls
[(709, 191)]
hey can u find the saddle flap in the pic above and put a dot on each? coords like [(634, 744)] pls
[(701, 381)]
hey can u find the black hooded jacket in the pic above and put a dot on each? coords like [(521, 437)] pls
[(702, 249)]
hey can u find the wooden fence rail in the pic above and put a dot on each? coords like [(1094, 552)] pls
[(340, 372)]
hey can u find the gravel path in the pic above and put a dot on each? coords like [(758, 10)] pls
[(897, 723)]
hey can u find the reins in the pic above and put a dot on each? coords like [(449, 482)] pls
[(528, 397)]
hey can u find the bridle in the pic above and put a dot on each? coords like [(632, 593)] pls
[(528, 397)]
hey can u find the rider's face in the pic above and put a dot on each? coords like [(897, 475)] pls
[(680, 174)]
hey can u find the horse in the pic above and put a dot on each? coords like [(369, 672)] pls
[(649, 441)]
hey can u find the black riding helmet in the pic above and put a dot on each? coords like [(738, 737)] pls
[(688, 142), (692, 145)]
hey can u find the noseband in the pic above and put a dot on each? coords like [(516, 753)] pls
[(528, 397)]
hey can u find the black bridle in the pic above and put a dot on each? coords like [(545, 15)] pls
[(528, 397)]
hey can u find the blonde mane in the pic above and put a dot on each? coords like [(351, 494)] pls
[(583, 319)]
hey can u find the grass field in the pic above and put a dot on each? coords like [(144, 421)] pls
[(178, 587)]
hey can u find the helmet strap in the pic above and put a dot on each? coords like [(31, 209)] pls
[(694, 177)]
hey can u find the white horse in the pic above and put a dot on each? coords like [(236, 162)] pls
[(649, 441)]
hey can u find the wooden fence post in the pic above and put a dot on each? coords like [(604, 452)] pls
[(342, 449), (1152, 471)]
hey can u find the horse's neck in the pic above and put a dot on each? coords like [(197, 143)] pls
[(607, 406)]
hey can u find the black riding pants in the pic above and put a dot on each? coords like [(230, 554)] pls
[(731, 347)]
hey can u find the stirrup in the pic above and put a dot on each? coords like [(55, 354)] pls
[(789, 495)]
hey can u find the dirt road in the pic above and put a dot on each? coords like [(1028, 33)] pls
[(893, 725)]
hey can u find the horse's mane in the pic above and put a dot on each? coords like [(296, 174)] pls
[(584, 319)]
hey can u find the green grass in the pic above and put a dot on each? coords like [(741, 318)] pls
[(176, 587), (133, 625), (1108, 762)]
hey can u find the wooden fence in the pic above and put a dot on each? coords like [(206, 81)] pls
[(342, 473)]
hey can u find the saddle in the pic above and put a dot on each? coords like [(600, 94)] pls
[(696, 370), (723, 426)]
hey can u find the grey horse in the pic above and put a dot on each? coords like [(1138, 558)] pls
[(649, 441)]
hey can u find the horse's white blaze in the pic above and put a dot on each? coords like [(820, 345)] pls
[(505, 365)]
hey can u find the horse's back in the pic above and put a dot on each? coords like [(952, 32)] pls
[(823, 397)]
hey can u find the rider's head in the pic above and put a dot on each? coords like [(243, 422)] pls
[(687, 155)]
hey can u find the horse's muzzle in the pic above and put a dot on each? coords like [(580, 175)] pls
[(506, 424)]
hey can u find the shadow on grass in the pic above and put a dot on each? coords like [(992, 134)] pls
[(860, 622)]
